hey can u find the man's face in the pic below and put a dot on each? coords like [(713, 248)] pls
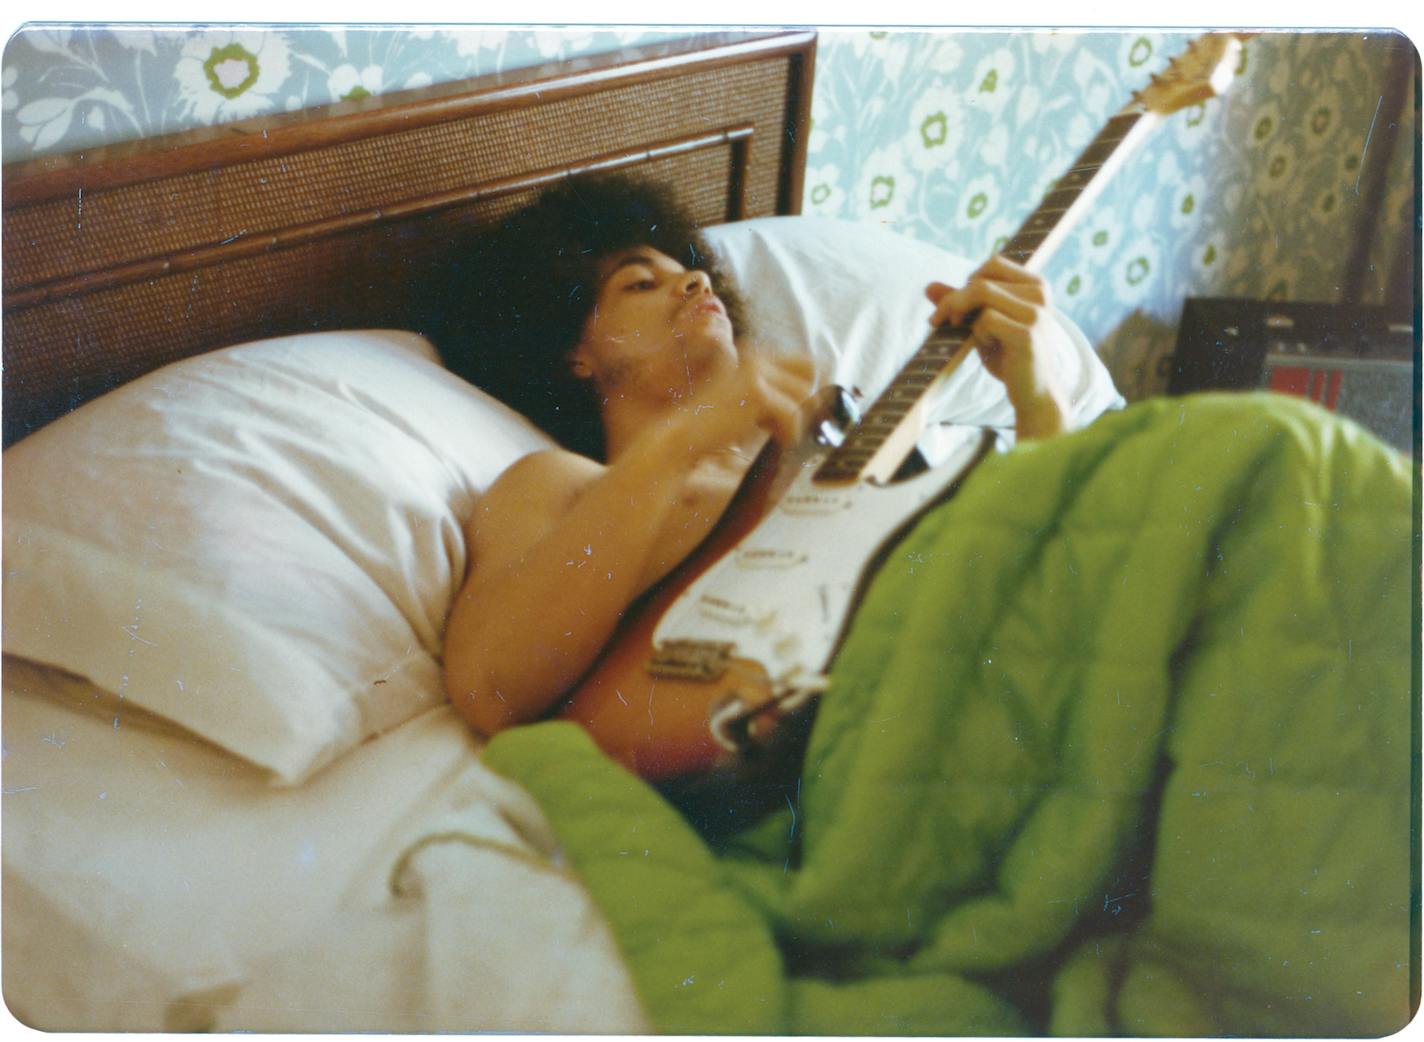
[(656, 326)]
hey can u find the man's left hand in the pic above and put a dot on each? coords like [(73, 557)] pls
[(1017, 337)]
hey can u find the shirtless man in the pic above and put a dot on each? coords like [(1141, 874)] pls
[(562, 544)]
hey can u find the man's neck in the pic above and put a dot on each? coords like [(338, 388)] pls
[(625, 420), (626, 416)]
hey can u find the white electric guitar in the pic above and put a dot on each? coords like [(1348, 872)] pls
[(742, 633)]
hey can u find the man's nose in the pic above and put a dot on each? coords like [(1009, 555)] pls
[(695, 282)]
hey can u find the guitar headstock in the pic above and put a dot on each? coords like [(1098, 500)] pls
[(1203, 72)]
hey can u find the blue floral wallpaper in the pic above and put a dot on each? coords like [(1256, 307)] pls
[(66, 89), (954, 137), (951, 136)]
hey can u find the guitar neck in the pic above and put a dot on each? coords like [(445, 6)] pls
[(1073, 194), (875, 447)]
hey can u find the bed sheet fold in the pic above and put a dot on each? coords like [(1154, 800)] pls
[(479, 934)]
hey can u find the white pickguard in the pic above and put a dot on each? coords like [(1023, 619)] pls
[(783, 595)]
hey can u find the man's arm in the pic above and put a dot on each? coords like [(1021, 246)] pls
[(558, 549), (560, 546)]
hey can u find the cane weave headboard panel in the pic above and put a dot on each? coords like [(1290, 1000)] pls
[(129, 257)]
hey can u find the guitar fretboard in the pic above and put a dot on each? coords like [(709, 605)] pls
[(1030, 243)]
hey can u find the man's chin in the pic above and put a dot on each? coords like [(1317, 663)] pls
[(708, 324)]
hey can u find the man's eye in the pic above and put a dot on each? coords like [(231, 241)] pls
[(641, 284)]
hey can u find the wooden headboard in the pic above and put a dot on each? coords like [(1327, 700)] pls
[(125, 258)]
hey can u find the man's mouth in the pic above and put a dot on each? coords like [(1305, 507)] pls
[(709, 304)]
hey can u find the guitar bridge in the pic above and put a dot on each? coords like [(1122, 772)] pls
[(705, 660), (737, 726)]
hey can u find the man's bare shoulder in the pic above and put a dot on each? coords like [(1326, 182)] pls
[(552, 476), (526, 500)]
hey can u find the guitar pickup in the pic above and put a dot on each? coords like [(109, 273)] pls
[(723, 610), (691, 659), (815, 503), (769, 557)]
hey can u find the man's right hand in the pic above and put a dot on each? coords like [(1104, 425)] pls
[(762, 393)]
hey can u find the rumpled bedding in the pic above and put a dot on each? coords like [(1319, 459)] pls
[(467, 942), (1120, 742), (154, 882)]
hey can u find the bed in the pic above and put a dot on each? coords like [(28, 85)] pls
[(238, 801), (128, 258)]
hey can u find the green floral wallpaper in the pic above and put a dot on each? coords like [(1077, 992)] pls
[(951, 136)]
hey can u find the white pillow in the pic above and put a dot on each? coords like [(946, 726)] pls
[(261, 543), (852, 295)]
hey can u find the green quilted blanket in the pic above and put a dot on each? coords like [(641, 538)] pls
[(1120, 742)]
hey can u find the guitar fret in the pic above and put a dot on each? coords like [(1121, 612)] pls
[(925, 361), (1061, 198), (1097, 153), (853, 461), (1118, 128), (939, 356), (1030, 241), (1073, 184), (901, 394), (885, 418), (1026, 241), (856, 440), (1079, 176), (936, 353), (939, 345), (1126, 120), (1043, 217), (1113, 134), (827, 472), (840, 462)]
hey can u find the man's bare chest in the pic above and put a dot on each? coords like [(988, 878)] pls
[(699, 506)]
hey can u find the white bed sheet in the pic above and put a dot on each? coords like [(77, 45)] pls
[(155, 882)]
